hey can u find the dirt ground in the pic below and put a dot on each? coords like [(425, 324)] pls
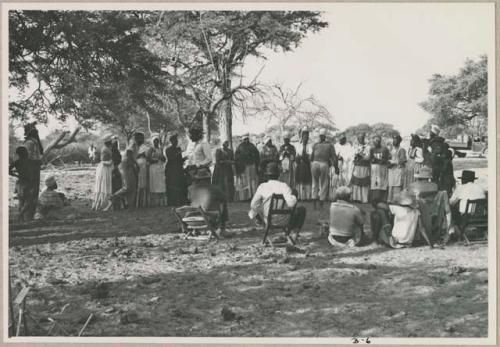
[(138, 276)]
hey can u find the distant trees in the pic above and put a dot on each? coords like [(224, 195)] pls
[(459, 103), (385, 130)]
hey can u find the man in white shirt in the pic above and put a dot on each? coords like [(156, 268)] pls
[(259, 207), (468, 190), (199, 157)]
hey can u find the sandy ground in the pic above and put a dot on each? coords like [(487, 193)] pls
[(138, 276)]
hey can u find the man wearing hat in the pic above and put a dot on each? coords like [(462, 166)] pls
[(468, 190), (287, 155), (323, 156), (346, 220), (247, 160), (259, 206)]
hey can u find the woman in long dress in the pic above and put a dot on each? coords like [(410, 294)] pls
[(397, 172), (360, 180), (142, 151), (157, 185), (287, 154), (303, 175), (103, 178), (223, 176), (379, 157), (174, 174), (35, 152), (345, 154), (415, 160), (247, 160), (116, 176)]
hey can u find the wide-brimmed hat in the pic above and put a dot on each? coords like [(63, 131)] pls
[(468, 175), (272, 169), (405, 198), (424, 172)]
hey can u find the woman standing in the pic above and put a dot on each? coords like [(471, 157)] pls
[(103, 178), (397, 172), (379, 158), (143, 176), (360, 180), (287, 156), (246, 163), (303, 175), (268, 154), (223, 176), (415, 159), (174, 174), (116, 178), (35, 151), (157, 185)]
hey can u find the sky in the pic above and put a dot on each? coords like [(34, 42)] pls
[(372, 64)]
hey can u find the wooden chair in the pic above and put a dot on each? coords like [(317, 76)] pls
[(195, 219), (475, 217), (278, 207)]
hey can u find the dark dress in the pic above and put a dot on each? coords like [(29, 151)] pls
[(223, 176), (116, 179), (175, 178), (446, 179)]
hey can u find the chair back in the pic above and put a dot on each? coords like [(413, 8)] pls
[(278, 206), (476, 211)]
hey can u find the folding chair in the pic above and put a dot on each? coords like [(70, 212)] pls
[(475, 217), (278, 207), (195, 219)]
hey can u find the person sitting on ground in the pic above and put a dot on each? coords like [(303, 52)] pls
[(50, 201), (468, 190), (402, 232), (346, 220), (21, 169), (261, 201), (434, 206)]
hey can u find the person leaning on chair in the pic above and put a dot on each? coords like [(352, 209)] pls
[(468, 190), (259, 207)]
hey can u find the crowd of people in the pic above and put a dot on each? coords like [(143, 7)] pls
[(411, 190)]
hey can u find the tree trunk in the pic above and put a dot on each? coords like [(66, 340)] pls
[(225, 112), (206, 126)]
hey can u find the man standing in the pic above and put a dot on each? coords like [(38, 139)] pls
[(199, 158), (35, 152), (323, 156), (261, 201), (246, 164), (345, 156), (468, 190), (379, 157)]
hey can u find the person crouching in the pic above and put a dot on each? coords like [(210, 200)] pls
[(261, 201), (346, 220)]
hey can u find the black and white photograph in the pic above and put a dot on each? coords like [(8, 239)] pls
[(177, 171)]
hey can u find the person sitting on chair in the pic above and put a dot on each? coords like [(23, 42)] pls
[(468, 190), (346, 220), (261, 201), (210, 198)]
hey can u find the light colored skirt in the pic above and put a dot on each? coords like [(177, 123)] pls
[(304, 191), (157, 182), (360, 192), (103, 186), (336, 181), (396, 181), (246, 183), (411, 169), (142, 178)]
